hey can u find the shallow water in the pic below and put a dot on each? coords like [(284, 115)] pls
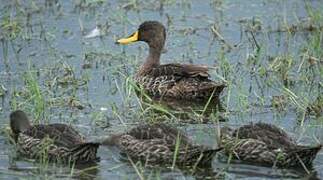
[(50, 47)]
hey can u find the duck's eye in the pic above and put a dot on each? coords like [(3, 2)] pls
[(142, 30), (132, 34)]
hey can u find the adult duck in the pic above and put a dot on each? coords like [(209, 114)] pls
[(266, 144), (180, 81), (57, 142), (160, 144)]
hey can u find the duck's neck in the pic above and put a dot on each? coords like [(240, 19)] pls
[(153, 59)]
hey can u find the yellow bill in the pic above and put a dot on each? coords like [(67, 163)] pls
[(130, 39)]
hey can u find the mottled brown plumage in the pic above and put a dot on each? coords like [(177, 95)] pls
[(158, 144), (57, 142), (266, 144), (180, 81)]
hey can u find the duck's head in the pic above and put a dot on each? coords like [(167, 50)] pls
[(19, 121), (151, 32)]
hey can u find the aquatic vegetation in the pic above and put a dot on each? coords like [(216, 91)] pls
[(10, 28), (33, 94), (279, 102), (316, 106), (3, 90)]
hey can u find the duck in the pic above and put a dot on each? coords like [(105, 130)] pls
[(266, 144), (178, 81), (161, 144), (52, 142)]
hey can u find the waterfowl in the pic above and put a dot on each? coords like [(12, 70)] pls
[(160, 144), (179, 81), (57, 142), (266, 144)]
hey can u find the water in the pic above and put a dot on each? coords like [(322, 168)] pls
[(51, 47)]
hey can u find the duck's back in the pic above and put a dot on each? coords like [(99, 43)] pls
[(56, 142), (159, 131), (175, 69), (271, 135), (181, 81), (61, 134), (266, 144), (159, 143)]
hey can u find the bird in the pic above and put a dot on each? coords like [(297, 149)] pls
[(266, 144), (54, 142), (161, 144), (178, 81)]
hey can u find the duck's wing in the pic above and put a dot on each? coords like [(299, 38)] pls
[(36, 147), (252, 150), (159, 131), (180, 81), (270, 134), (84, 152), (179, 70), (148, 150), (196, 155), (61, 134), (156, 151)]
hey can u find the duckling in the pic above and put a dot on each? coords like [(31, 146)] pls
[(266, 144), (58, 141), (179, 81), (161, 144)]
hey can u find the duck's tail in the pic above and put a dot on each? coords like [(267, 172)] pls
[(209, 88), (204, 157), (193, 88), (306, 155), (85, 152)]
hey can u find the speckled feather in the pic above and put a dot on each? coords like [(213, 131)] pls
[(271, 135), (58, 141), (266, 144), (179, 81), (62, 134), (156, 144)]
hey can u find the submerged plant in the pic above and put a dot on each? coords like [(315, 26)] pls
[(34, 94)]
